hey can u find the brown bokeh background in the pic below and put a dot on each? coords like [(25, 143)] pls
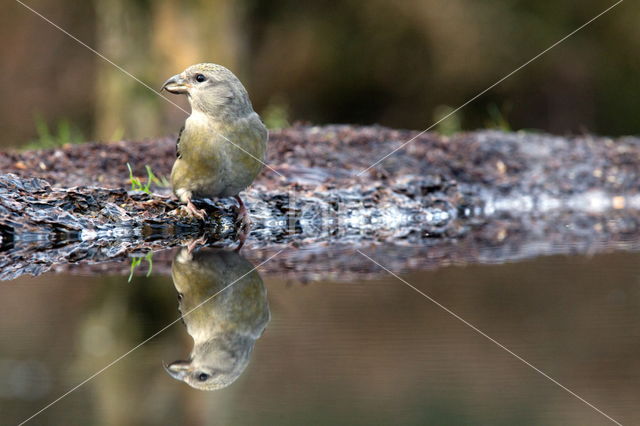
[(398, 64)]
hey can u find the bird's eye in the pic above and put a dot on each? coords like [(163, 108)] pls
[(203, 376), (200, 78)]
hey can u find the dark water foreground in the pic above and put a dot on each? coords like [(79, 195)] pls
[(530, 239)]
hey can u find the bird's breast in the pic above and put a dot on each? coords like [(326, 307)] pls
[(219, 159)]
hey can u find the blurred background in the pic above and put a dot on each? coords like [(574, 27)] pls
[(399, 64)]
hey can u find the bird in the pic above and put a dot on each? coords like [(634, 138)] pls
[(224, 306), (221, 147)]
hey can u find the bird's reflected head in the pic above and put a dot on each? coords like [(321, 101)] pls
[(214, 364)]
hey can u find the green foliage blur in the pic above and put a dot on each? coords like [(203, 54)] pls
[(399, 64), (63, 133)]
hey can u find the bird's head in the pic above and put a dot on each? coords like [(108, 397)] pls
[(211, 89)]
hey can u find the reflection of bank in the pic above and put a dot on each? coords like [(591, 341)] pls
[(225, 328)]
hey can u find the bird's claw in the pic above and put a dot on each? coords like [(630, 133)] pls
[(195, 243), (191, 210)]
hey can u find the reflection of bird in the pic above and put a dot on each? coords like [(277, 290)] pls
[(225, 328), (222, 145)]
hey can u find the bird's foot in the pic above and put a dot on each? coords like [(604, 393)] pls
[(191, 210), (195, 243)]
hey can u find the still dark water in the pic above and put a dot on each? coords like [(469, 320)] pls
[(357, 351)]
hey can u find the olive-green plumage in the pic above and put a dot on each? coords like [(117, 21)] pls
[(224, 306), (222, 146)]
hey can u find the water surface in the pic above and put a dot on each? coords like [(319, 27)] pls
[(367, 350)]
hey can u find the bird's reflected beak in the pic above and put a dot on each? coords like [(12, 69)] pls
[(178, 369), (176, 85)]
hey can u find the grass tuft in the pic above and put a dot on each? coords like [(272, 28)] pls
[(137, 261), (152, 179)]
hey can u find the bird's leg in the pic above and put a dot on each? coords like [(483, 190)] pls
[(242, 237), (242, 212), (243, 222)]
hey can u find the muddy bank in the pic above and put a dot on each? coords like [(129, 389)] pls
[(72, 204), (334, 156)]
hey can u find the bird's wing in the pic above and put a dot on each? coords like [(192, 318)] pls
[(178, 142)]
